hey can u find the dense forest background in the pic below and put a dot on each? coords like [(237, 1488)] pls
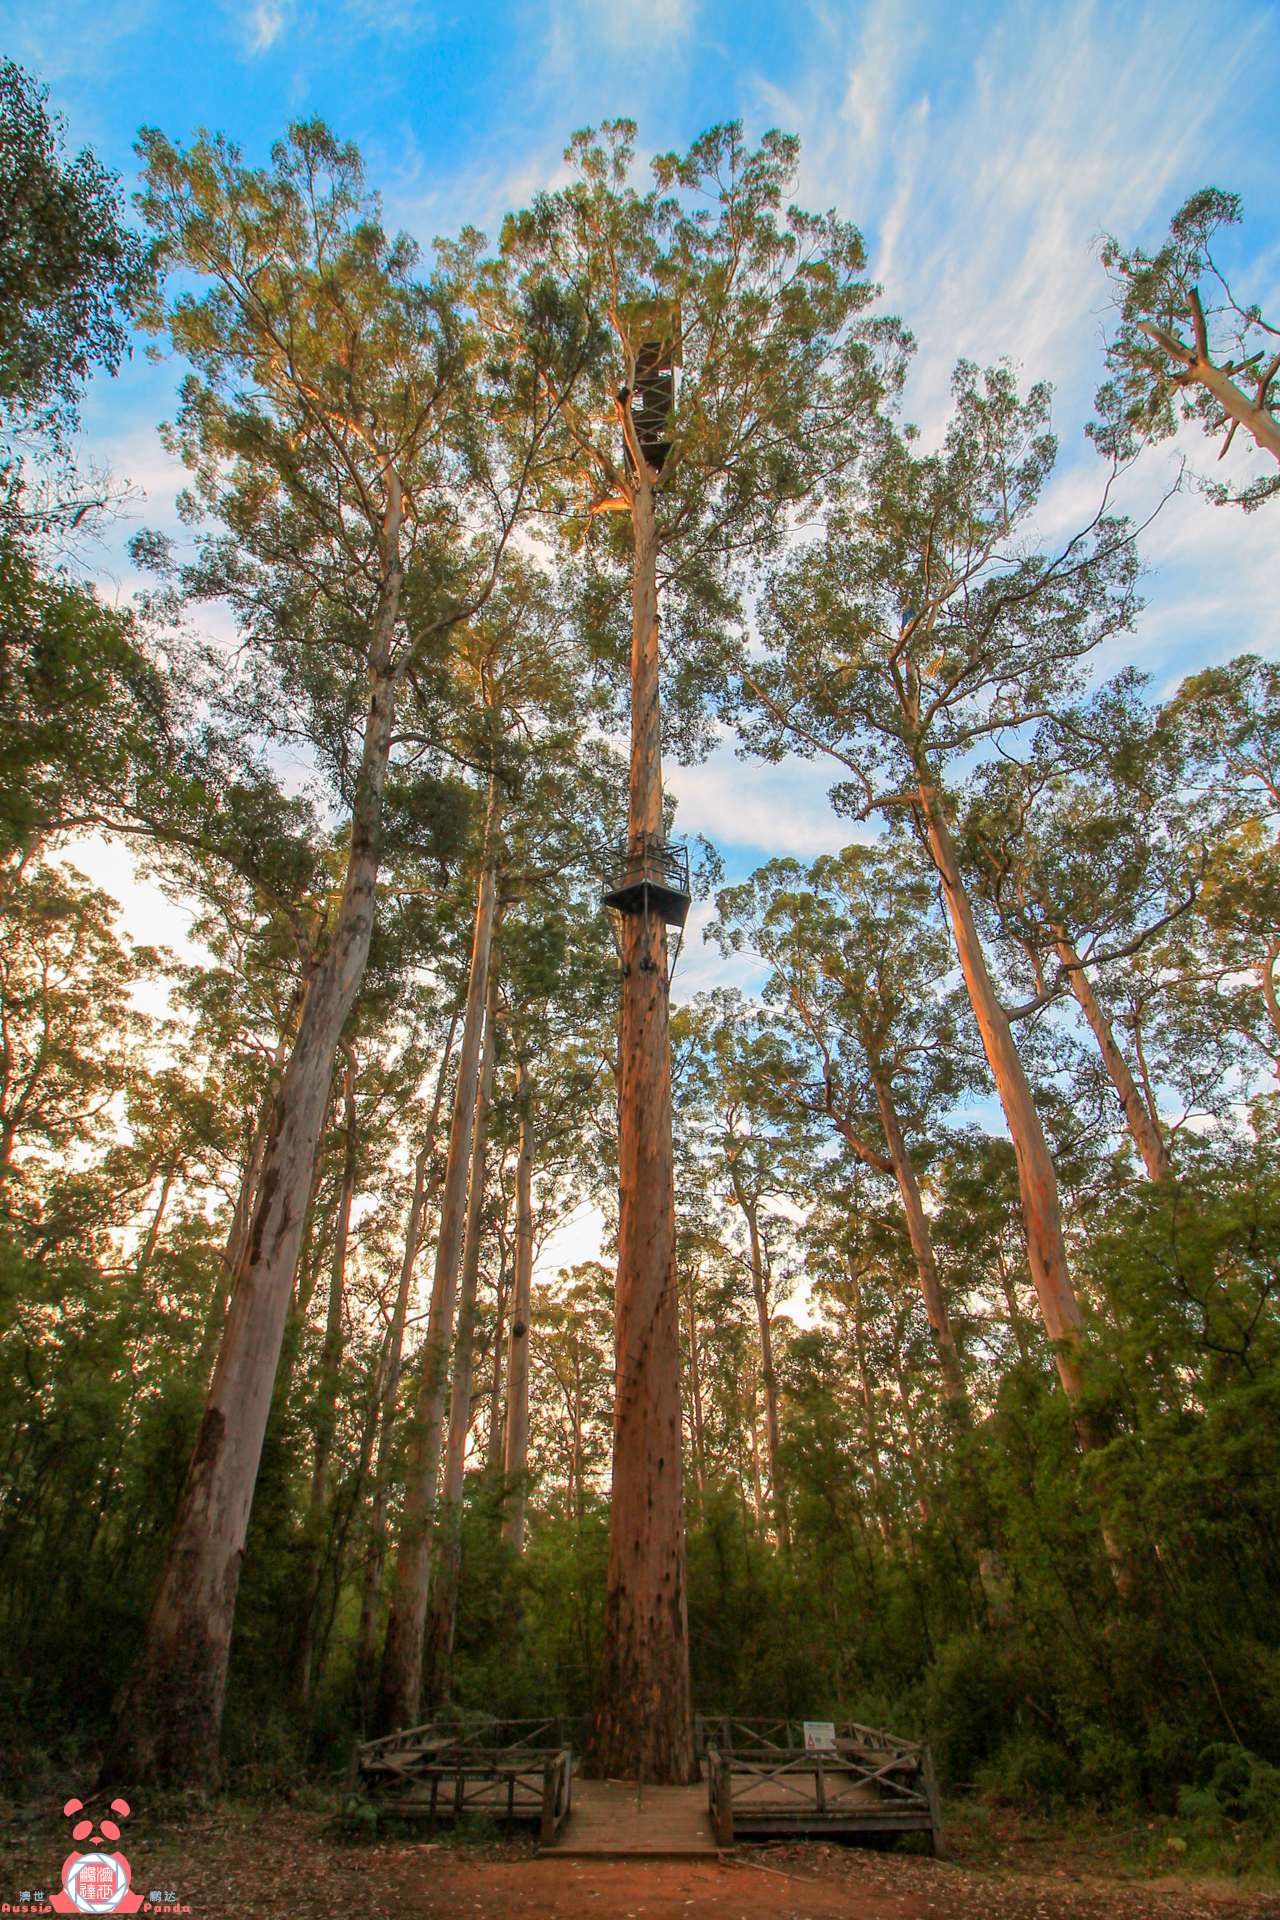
[(913, 1497)]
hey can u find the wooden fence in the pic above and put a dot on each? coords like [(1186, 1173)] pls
[(762, 1780), (437, 1772)]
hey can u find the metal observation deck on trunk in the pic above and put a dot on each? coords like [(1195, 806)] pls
[(653, 879)]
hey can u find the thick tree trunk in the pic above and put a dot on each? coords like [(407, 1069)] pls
[(516, 1461), (444, 1603), (921, 1246), (242, 1218), (773, 1437), (642, 1720), (1037, 1178), (170, 1713), (1142, 1126), (330, 1374), (418, 1208), (400, 1686)]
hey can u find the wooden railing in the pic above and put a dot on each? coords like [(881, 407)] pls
[(432, 1772), (870, 1782)]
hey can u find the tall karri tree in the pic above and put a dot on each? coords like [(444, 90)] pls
[(733, 370)]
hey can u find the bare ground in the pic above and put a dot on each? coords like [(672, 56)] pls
[(244, 1863)]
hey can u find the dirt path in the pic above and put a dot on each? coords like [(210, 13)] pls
[(236, 1865)]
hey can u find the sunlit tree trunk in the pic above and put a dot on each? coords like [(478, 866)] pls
[(444, 1602), (419, 1206), (1037, 1178), (170, 1713), (642, 1696), (516, 1462), (157, 1219), (1142, 1124), (400, 1683)]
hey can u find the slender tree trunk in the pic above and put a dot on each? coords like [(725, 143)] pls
[(695, 1384), (773, 1437), (170, 1713), (757, 1481), (400, 1686), (444, 1603), (496, 1442), (418, 1208), (517, 1449), (157, 1219), (868, 1402), (921, 1245), (577, 1439), (1146, 1134), (1046, 1247), (1037, 1176), (331, 1356), (913, 1442), (330, 1373), (642, 1696), (1011, 1303)]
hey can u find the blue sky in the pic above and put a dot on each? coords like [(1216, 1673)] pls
[(979, 148)]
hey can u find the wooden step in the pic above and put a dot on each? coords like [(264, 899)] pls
[(614, 1820)]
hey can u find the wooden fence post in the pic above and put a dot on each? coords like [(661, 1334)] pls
[(721, 1769), (930, 1780)]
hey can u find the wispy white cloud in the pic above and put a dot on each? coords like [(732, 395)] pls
[(262, 25)]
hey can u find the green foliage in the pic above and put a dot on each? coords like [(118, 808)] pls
[(1178, 316), (68, 269)]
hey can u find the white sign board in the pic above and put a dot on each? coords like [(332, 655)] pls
[(820, 1735)]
